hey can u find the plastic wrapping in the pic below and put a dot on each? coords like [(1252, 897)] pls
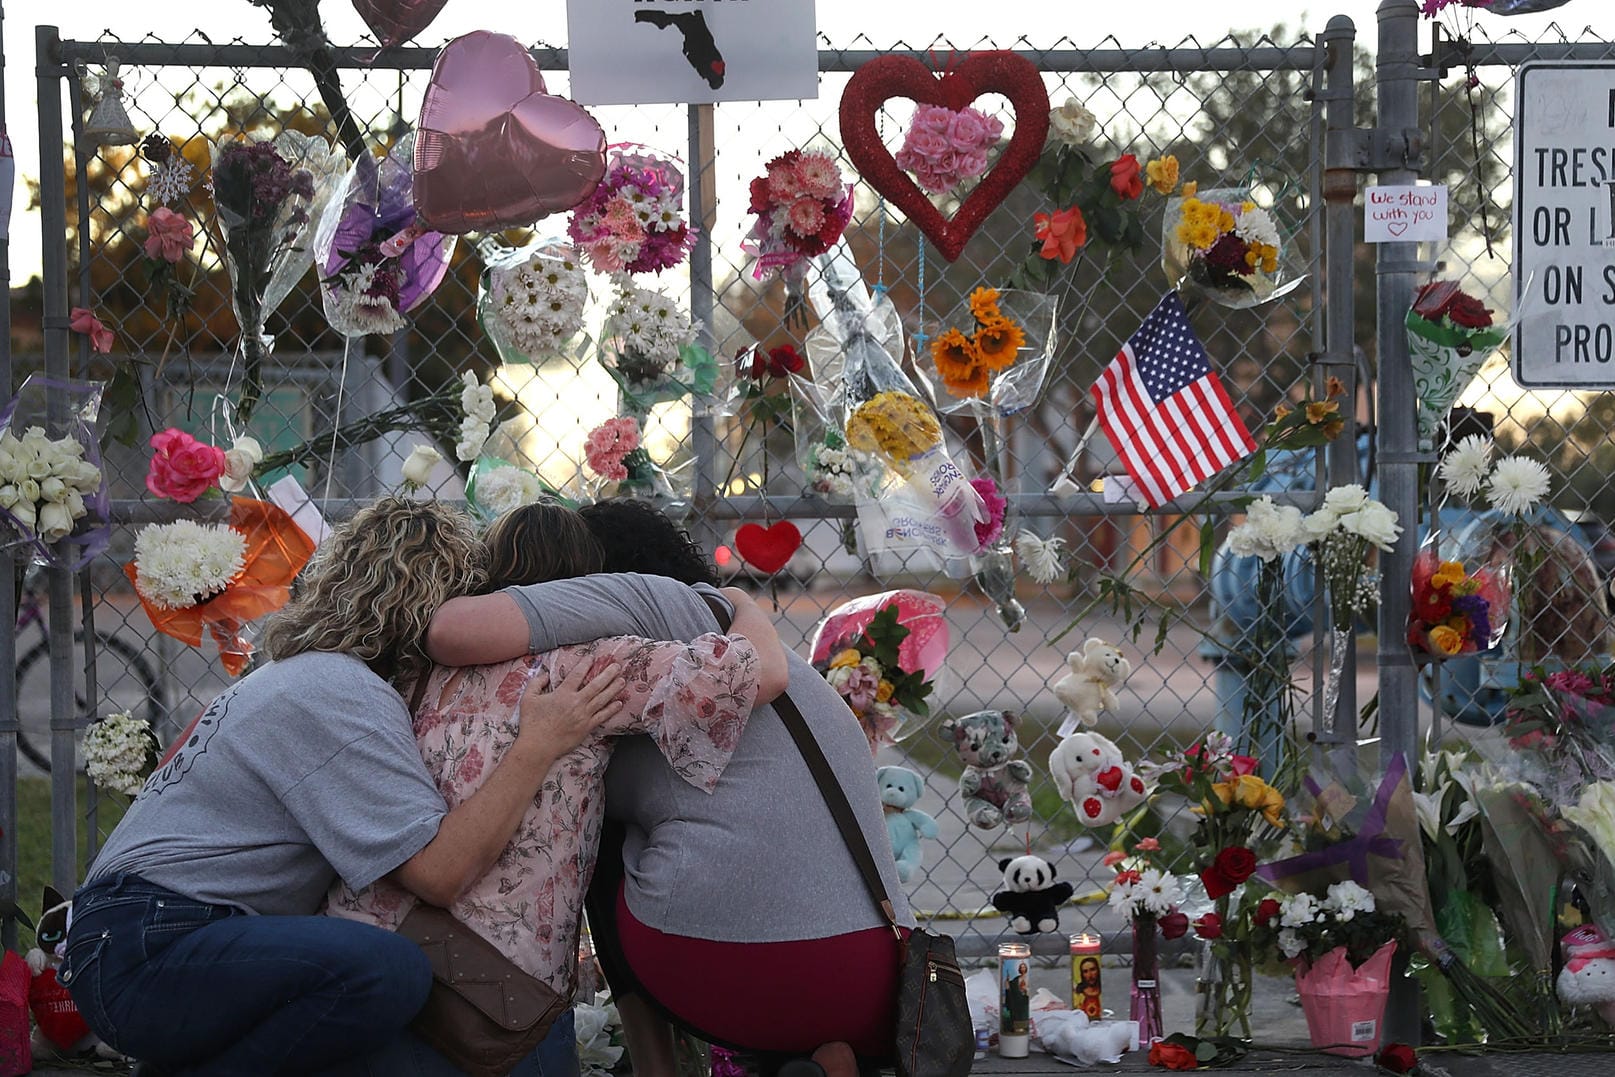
[(834, 470), (1446, 353), (1209, 250), (530, 299), (53, 496), (375, 264), (885, 412), (1460, 601), (972, 371), (648, 347), (1559, 608), (852, 645), (633, 221)]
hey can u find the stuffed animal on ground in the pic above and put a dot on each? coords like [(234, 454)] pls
[(993, 784), (1588, 978), (900, 790), (1089, 772), (1031, 898), (60, 1031), (1096, 672)]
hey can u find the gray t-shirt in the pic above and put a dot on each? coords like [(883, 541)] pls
[(760, 858), (305, 770)]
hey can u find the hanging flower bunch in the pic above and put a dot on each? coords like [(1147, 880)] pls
[(803, 204), (476, 402), (1090, 198), (613, 450), (1043, 557), (83, 321), (1341, 533), (182, 468), (645, 333), (867, 673), (43, 483), (504, 487), (966, 363), (185, 563), (1455, 611), (633, 222), (895, 424), (837, 471), (1231, 245), (119, 751), (946, 147), (1450, 333), (1306, 925), (991, 529), (536, 304)]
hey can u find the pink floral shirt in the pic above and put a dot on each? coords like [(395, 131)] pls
[(692, 698)]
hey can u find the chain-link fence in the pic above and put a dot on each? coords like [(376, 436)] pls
[(1243, 112)]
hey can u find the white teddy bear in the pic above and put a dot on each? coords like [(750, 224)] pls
[(1096, 672), (1588, 978), (1089, 771)]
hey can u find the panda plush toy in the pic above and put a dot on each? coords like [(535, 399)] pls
[(1030, 897)]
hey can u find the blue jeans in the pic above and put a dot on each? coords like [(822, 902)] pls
[(197, 988)]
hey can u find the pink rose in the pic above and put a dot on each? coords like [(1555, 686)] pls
[(972, 164), (182, 468), (83, 320), (932, 118), (967, 130), (168, 236)]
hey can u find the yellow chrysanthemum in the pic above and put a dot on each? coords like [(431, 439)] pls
[(1163, 173), (895, 424)]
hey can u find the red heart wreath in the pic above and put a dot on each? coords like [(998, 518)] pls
[(979, 73), (768, 548)]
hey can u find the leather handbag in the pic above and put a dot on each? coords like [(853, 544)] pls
[(934, 1035), (483, 1014)]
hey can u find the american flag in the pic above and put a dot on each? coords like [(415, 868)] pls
[(1164, 410)]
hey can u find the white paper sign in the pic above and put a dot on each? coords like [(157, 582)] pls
[(1405, 214), (632, 52), (290, 497), (1564, 225)]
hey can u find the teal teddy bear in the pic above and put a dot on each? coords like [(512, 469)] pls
[(900, 790)]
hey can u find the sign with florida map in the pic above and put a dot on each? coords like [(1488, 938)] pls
[(632, 52)]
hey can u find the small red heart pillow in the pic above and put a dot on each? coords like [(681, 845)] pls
[(885, 77), (768, 548)]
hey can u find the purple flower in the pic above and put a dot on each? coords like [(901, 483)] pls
[(1479, 614), (860, 687)]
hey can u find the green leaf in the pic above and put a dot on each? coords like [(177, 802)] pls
[(1108, 223), (1208, 544), (1258, 466), (120, 403)]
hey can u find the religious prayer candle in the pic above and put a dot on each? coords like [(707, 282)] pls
[(1015, 1015), (1087, 992)]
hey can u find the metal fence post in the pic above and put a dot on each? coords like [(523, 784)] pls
[(1339, 351), (53, 224), (703, 215)]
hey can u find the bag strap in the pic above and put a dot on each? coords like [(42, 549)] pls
[(835, 798)]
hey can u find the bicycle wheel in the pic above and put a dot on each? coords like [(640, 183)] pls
[(124, 681)]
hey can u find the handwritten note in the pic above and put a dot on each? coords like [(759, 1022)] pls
[(1405, 214)]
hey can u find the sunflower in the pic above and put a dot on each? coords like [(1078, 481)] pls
[(997, 342), (955, 356), (984, 304), (971, 383)]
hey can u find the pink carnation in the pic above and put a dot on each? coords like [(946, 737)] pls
[(820, 176), (608, 444), (606, 255), (987, 533), (168, 235)]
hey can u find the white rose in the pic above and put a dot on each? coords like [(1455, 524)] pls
[(9, 496), (24, 512), (75, 503), (239, 460), (53, 489), (29, 489), (1071, 124), (55, 522), (39, 468), (418, 468)]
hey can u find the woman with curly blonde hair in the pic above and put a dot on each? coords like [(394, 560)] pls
[(194, 945)]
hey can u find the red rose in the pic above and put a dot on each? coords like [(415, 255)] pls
[(1217, 884), (785, 360), (182, 468), (1235, 863), (1172, 1056), (1209, 926), (1174, 925), (760, 201), (1468, 312), (1124, 177), (1397, 1057), (1243, 764), (1267, 910)]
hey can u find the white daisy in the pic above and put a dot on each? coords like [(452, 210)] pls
[(1517, 485), (1159, 892), (1464, 468), (1042, 557)]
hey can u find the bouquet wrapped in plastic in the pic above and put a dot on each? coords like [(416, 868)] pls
[(648, 347), (1450, 334), (886, 416), (881, 653), (265, 194), (1221, 245), (1456, 609), (802, 204), (51, 487), (633, 222), (530, 299), (615, 455), (375, 265), (994, 355)]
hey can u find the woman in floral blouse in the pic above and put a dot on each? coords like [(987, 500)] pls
[(693, 699)]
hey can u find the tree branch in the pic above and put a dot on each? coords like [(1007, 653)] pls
[(298, 24)]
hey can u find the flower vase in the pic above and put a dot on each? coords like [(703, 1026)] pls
[(1340, 641), (1145, 1007), (1224, 985), (1345, 1006)]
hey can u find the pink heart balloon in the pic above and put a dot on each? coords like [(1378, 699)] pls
[(396, 21), (492, 149)]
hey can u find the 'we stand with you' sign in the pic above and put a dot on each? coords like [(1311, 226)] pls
[(1405, 214)]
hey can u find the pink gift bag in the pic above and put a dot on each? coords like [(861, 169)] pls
[(1345, 1007)]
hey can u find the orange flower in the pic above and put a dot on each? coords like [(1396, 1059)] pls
[(997, 342), (959, 364), (1063, 233), (1124, 177), (973, 383), (1333, 387), (1320, 411), (1335, 429), (1281, 412), (984, 304)]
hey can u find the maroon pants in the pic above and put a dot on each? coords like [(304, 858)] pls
[(771, 996)]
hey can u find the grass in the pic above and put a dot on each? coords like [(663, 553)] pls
[(33, 841)]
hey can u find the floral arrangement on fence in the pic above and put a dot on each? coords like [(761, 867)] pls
[(1450, 333), (1456, 611), (477, 405), (1043, 558), (43, 483), (633, 222), (532, 300), (375, 263), (615, 452), (995, 505), (416, 470), (182, 468), (119, 751), (645, 337), (838, 472), (83, 321), (802, 204), (191, 576), (1225, 245), (895, 424), (1092, 199), (946, 147), (1566, 717), (966, 363), (500, 487), (865, 670), (1341, 533)]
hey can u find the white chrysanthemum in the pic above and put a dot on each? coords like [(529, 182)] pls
[(1290, 944), (1517, 485), (649, 325), (183, 563), (1269, 532), (1041, 556), (1340, 500), (171, 181), (504, 488), (1255, 225), (1299, 910), (539, 303), (116, 750), (1159, 892), (1464, 469), (1346, 899)]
